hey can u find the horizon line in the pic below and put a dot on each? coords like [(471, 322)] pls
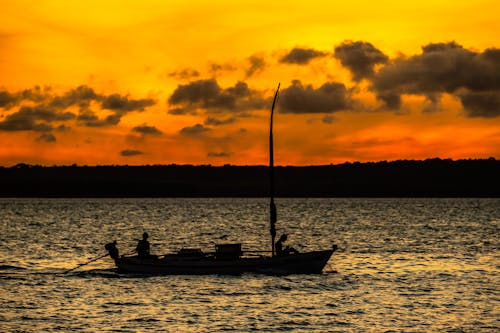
[(23, 164)]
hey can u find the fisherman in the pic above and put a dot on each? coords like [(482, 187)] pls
[(112, 249), (143, 246), (280, 251)]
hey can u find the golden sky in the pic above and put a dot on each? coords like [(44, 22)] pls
[(160, 82)]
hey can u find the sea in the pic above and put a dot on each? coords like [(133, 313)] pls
[(403, 265)]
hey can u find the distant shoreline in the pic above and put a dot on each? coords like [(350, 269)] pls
[(404, 178)]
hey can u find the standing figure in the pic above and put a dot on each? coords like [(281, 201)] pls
[(143, 247), (112, 250)]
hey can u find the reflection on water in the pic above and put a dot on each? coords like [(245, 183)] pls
[(404, 265)]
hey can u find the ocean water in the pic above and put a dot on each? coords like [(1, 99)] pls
[(403, 265)]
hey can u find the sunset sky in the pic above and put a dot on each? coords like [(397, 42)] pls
[(161, 82)]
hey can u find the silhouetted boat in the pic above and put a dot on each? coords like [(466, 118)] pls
[(300, 263), (229, 258)]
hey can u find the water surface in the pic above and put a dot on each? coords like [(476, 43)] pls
[(404, 265)]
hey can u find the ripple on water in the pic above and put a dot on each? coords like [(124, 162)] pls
[(412, 265)]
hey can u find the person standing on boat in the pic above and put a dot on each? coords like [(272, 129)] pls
[(143, 247), (112, 250), (280, 251)]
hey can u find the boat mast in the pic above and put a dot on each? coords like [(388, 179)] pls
[(272, 206)]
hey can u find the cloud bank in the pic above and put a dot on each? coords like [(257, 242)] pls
[(472, 77), (38, 109)]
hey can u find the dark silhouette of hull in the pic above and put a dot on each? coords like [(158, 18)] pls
[(300, 263)]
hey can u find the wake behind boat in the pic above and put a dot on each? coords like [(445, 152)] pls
[(229, 258)]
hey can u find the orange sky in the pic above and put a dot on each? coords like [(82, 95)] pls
[(160, 82)]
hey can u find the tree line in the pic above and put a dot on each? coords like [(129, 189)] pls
[(404, 178)]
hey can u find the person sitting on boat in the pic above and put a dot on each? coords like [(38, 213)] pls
[(280, 251), (143, 247), (112, 250)]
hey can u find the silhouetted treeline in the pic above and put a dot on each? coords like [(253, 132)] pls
[(429, 178)]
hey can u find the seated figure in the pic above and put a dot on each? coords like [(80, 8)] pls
[(280, 251)]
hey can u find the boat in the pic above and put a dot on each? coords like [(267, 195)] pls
[(230, 258)]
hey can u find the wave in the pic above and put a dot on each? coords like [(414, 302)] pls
[(11, 268)]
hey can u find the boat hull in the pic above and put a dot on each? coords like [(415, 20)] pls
[(301, 263)]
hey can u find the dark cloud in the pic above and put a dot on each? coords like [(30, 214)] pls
[(81, 96), (194, 130), (123, 104), (23, 124), (44, 113), (46, 137), (35, 94), (330, 97), (219, 154), (181, 111), (208, 95), (484, 104), (215, 68), (33, 119), (185, 74), (392, 100), (444, 68), (240, 89), (257, 64), (130, 152), (360, 58), (301, 56), (89, 118), (147, 130), (216, 122), (50, 107), (204, 92), (7, 100)]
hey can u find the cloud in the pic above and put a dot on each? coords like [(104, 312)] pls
[(147, 130), (81, 95), (90, 119), (123, 104), (194, 130), (330, 97), (185, 74), (360, 58), (257, 64), (301, 56), (485, 104), (7, 100), (444, 68), (181, 111), (216, 122), (215, 68), (208, 95), (35, 118), (130, 152), (49, 107), (46, 137), (219, 154)]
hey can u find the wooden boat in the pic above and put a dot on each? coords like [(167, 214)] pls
[(229, 258), (178, 264)]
